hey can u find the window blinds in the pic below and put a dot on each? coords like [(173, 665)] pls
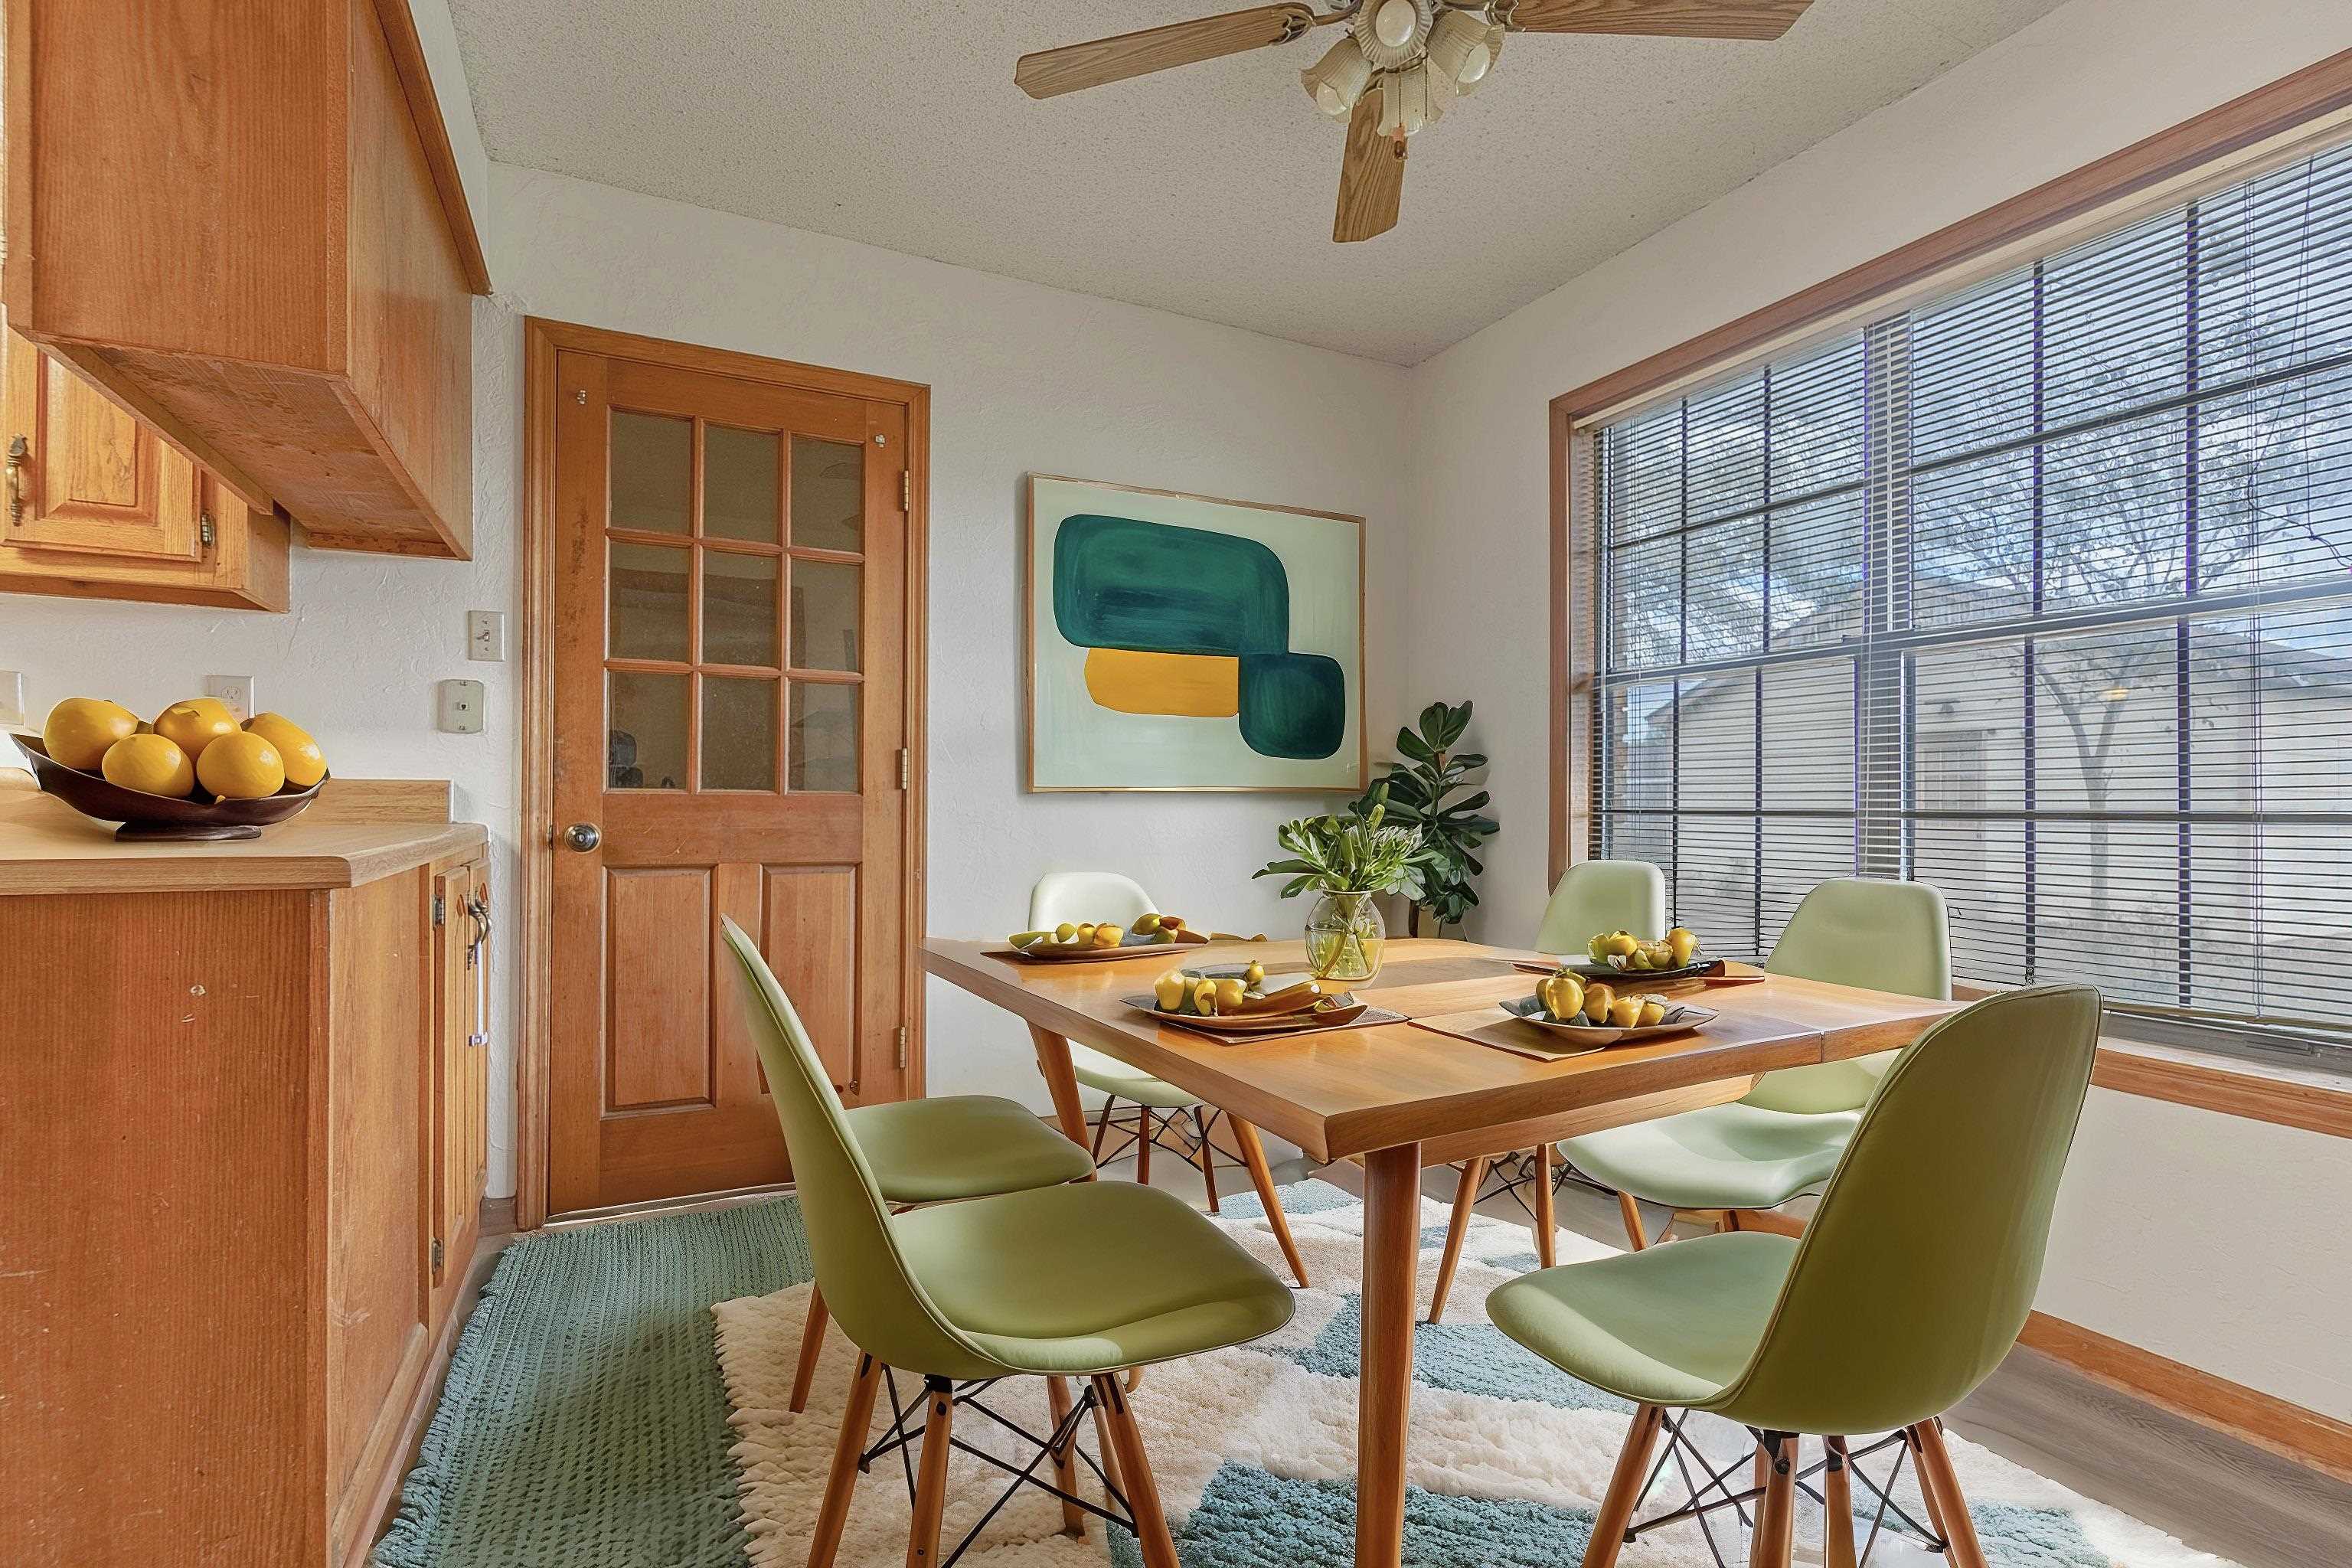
[(2038, 593)]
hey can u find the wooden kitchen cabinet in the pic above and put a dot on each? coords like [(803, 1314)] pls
[(226, 216), (240, 1136), (95, 505)]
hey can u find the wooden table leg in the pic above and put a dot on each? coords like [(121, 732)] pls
[(1384, 1372), (1547, 1229), (1261, 1176), (1054, 1061)]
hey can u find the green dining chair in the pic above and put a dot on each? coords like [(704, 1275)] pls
[(945, 1151), (1906, 1290), (1082, 1280), (1161, 1109), (1783, 1138), (1592, 896)]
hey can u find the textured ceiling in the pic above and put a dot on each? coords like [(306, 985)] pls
[(1206, 190)]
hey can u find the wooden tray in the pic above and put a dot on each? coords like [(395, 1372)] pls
[(1058, 953)]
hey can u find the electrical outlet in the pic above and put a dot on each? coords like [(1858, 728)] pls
[(459, 710), (12, 697), (486, 634), (236, 690)]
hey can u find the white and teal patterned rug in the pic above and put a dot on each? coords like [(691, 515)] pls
[(1255, 1448)]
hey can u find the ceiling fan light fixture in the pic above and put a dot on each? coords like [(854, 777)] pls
[(1391, 32), (1459, 52), (1338, 78), (1405, 102)]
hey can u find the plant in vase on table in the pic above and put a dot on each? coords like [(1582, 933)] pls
[(1347, 859)]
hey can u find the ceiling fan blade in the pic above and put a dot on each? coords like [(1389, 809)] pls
[(1049, 72), (1371, 176), (1765, 19)]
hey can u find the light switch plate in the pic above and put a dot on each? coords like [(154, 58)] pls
[(12, 697), (460, 706), (486, 634), (236, 690)]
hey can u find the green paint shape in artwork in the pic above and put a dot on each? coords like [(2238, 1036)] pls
[(1292, 704), (1155, 588)]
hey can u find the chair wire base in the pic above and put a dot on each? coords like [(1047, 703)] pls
[(1061, 1442), (1681, 1452), (1189, 1128)]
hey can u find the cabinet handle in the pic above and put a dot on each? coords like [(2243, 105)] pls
[(17, 453)]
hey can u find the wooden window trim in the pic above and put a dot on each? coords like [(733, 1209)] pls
[(2225, 144)]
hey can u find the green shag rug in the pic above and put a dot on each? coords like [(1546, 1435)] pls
[(584, 1424)]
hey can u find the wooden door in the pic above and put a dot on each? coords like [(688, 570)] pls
[(730, 647)]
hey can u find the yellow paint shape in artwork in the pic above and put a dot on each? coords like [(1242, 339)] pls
[(1196, 686)]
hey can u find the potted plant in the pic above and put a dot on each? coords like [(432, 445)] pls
[(1418, 790), (1347, 858)]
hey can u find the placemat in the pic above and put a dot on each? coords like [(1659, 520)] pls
[(1368, 1018), (1494, 1027)]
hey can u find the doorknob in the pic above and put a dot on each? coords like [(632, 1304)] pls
[(583, 837)]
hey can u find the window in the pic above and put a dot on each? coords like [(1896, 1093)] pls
[(2041, 593)]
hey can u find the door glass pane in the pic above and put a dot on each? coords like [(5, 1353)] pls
[(823, 748), (828, 494), (824, 615), (739, 484), (738, 608), (739, 733), (644, 739), (647, 586), (653, 472)]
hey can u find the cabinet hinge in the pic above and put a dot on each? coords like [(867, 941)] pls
[(437, 1255), (906, 768), (204, 531), (902, 1048), (440, 909), (905, 490)]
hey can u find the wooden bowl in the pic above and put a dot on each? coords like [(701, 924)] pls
[(201, 816)]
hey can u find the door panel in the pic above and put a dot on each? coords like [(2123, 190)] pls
[(730, 647)]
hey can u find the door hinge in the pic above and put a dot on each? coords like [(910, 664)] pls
[(440, 909), (204, 531), (905, 490), (436, 1258), (906, 769), (902, 1048)]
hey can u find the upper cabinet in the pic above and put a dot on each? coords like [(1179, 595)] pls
[(97, 506), (226, 216)]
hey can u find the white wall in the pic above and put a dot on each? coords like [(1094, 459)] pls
[(2149, 1247)]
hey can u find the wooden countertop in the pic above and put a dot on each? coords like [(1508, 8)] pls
[(357, 831)]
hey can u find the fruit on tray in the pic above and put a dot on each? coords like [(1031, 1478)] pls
[(1193, 994), (1149, 931), (1562, 996), (1623, 951), (195, 741), (1568, 998)]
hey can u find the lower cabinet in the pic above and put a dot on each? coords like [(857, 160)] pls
[(244, 1155)]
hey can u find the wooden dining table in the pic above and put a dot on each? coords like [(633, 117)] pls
[(1398, 1098)]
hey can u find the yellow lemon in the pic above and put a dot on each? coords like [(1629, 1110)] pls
[(80, 729), (305, 763), (194, 724), (240, 766), (150, 765)]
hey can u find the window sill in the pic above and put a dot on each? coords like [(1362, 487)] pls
[(2287, 1096)]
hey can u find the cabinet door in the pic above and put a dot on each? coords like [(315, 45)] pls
[(459, 1124), (97, 505), (83, 474)]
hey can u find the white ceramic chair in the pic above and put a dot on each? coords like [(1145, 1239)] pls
[(1159, 1108)]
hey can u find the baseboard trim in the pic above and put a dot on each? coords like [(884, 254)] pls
[(2318, 1442)]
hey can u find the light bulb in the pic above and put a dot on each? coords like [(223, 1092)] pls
[(1338, 78), (1459, 52), (1394, 22)]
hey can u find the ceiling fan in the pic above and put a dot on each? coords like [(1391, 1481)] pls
[(1400, 65)]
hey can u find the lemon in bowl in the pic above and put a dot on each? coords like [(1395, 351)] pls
[(150, 765), (241, 765), (305, 763), (193, 723), (79, 730)]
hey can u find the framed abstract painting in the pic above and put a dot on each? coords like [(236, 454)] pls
[(1179, 642)]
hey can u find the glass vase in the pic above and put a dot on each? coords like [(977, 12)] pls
[(1345, 937)]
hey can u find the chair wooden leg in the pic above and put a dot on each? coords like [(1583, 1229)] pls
[(1116, 1422), (1837, 1507), (1776, 1521), (1066, 1457), (1629, 1209), (1261, 1176), (833, 1513), (931, 1473), (1145, 1134), (1102, 1126), (1625, 1493), (1942, 1483), (1457, 1228), (1546, 1230), (811, 1346), (1760, 1475), (1208, 1157)]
